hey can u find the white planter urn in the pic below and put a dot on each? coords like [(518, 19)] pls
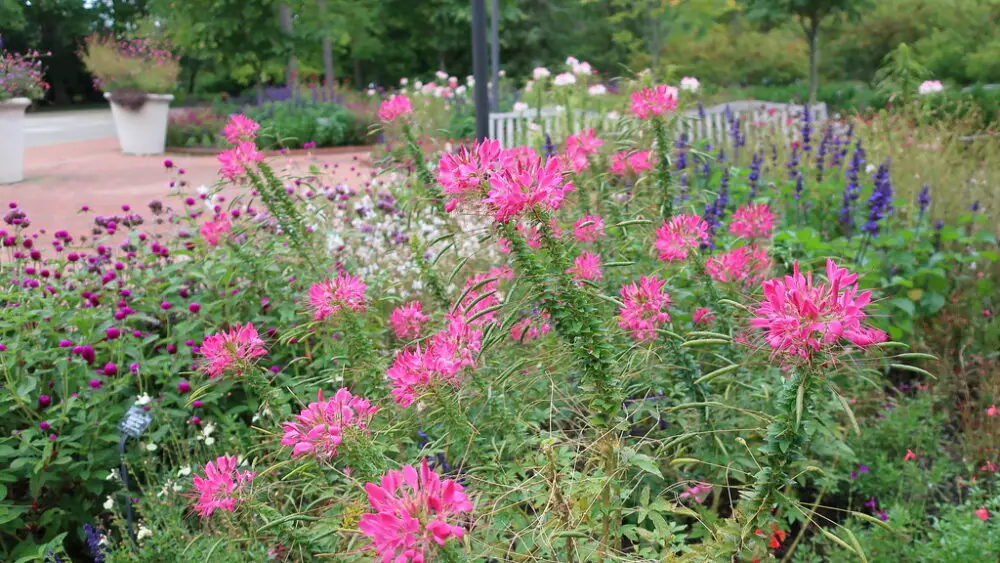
[(142, 131), (12, 139)]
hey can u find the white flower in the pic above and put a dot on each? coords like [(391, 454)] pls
[(142, 400), (209, 441), (109, 504), (612, 115), (930, 87), (112, 475), (208, 429), (151, 447), (572, 61), (371, 91), (441, 75), (540, 73), (528, 85), (583, 68), (418, 84), (460, 91), (520, 106), (404, 81), (452, 80), (690, 84), (143, 533), (870, 168), (184, 471), (564, 79), (502, 73), (597, 90)]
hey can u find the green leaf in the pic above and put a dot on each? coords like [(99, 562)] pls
[(904, 304)]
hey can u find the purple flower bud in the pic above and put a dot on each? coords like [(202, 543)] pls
[(95, 383), (197, 404), (44, 401), (112, 333), (194, 307), (65, 343), (183, 386), (44, 425)]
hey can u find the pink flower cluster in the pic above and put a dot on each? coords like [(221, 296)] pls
[(587, 266), (698, 492), (240, 129), (212, 231), (414, 513), (483, 297), (658, 100), (222, 487), (746, 264), (644, 307), (589, 228), (319, 428), (680, 235), (242, 132), (408, 320), (441, 361), (624, 163), (394, 107), (517, 180), (231, 352), (331, 296), (801, 317), (579, 147), (752, 221), (531, 328)]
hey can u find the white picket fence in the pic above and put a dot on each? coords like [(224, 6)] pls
[(516, 128)]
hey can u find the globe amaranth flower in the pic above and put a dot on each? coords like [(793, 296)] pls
[(587, 266), (680, 235), (407, 320), (320, 427), (644, 307), (239, 129), (745, 264), (329, 297), (658, 100), (415, 370), (223, 486), (394, 107), (588, 228), (802, 317), (463, 175), (414, 513), (624, 163), (212, 231), (232, 351), (234, 162), (752, 221)]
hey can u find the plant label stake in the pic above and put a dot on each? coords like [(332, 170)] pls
[(135, 422)]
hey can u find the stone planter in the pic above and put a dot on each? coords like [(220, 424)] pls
[(12, 139), (142, 130)]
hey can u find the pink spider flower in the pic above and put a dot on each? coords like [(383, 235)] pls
[(524, 182), (658, 100), (240, 129), (644, 307), (414, 514), (415, 370), (212, 231), (464, 174), (231, 351), (331, 296), (223, 486), (585, 142), (320, 427), (801, 317), (752, 221), (683, 233), (394, 107), (746, 264), (588, 228), (531, 328), (408, 320), (698, 492), (587, 266), (234, 162), (624, 163), (532, 236), (702, 315), (479, 299)]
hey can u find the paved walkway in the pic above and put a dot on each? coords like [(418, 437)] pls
[(61, 178), (50, 128)]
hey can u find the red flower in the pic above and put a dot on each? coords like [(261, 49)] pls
[(909, 455)]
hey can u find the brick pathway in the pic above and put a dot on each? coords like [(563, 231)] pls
[(60, 179)]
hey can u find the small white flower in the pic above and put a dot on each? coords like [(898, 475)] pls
[(142, 400), (208, 429), (209, 441), (184, 471), (690, 84), (151, 447), (418, 85), (930, 87), (404, 81), (460, 91), (583, 69), (371, 91), (502, 73), (112, 475), (109, 504), (564, 79), (441, 75), (870, 168), (572, 61), (540, 73), (612, 115), (520, 106), (143, 533), (597, 90)]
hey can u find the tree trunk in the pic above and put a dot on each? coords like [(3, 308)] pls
[(327, 45), (812, 35), (285, 18), (495, 54)]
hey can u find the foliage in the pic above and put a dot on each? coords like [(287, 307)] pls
[(23, 76), (139, 65)]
